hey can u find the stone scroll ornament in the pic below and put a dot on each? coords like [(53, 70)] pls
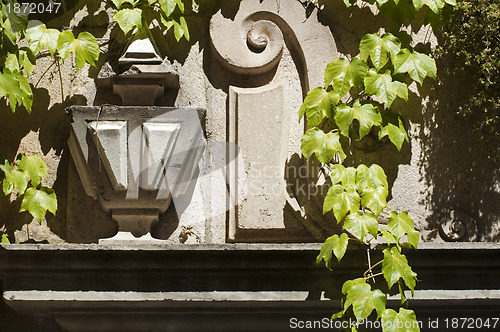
[(275, 43), (256, 46), (458, 226)]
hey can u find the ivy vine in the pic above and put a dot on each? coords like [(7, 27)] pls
[(470, 47), (355, 101), (23, 176)]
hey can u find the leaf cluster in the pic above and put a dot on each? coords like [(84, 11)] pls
[(17, 63), (23, 177), (168, 14), (355, 101), (470, 47), (380, 73)]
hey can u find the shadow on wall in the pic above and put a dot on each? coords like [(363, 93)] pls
[(44, 131), (458, 172)]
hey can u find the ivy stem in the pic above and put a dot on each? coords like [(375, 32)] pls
[(60, 80), (369, 264), (373, 276), (45, 72), (371, 267)]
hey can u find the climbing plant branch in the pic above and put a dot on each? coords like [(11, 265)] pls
[(358, 195)]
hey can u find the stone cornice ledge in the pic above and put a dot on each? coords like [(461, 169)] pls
[(231, 247)]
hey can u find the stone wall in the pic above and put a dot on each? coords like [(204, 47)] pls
[(250, 184)]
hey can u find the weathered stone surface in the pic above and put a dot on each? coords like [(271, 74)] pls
[(134, 159), (155, 287)]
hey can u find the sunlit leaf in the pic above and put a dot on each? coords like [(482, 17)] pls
[(374, 199), (318, 104), (84, 48), (366, 114), (344, 74), (382, 86), (27, 59), (434, 5), (38, 201), (393, 126), (363, 300), (5, 239), (119, 3), (168, 6), (417, 65), (347, 176), (336, 245), (14, 178), (401, 225), (360, 225), (395, 266), (341, 201), (324, 145), (10, 87), (34, 167), (128, 19), (370, 177), (379, 49), (402, 321), (39, 37)]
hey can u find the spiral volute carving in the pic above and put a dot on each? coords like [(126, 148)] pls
[(252, 45)]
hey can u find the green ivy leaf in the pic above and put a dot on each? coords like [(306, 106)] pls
[(395, 266), (26, 95), (363, 300), (345, 75), (401, 225), (118, 3), (14, 178), (38, 201), (400, 12), (168, 6), (393, 126), (370, 178), (34, 167), (128, 19), (324, 145), (382, 86), (349, 3), (334, 244), (366, 114), (434, 5), (388, 237), (27, 60), (180, 4), (39, 37), (5, 239), (375, 199), (417, 65), (10, 87), (361, 225), (404, 321), (347, 176), (85, 48), (379, 49), (318, 104), (181, 29), (18, 21), (11, 63), (341, 201)]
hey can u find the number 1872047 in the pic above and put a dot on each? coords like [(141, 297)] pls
[(33, 8)]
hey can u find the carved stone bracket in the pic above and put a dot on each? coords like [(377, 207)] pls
[(135, 159)]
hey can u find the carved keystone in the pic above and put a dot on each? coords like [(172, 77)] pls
[(135, 159)]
